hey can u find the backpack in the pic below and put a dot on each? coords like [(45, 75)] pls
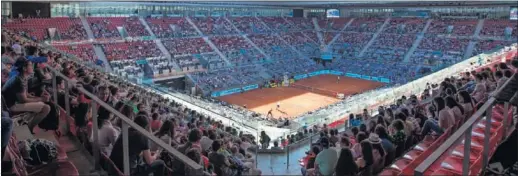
[(38, 151)]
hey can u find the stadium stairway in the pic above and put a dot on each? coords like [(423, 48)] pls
[(268, 57), (340, 33), (480, 25), (166, 53), (148, 29), (292, 47), (374, 37), (304, 34), (417, 41), (318, 31), (87, 28), (194, 25), (101, 56), (215, 48), (233, 26), (469, 49)]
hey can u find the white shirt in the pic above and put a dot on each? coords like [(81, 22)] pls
[(107, 137)]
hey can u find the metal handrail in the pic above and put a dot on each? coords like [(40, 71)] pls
[(465, 130), (125, 125)]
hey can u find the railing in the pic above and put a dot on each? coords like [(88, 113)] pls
[(464, 134), (126, 124)]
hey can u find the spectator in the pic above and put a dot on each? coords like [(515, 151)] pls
[(378, 153), (345, 165), (7, 129), (167, 134), (107, 134), (17, 98), (479, 94), (265, 140), (459, 114), (325, 161), (357, 147), (222, 165), (139, 145), (445, 119), (386, 143), (310, 166), (399, 136), (194, 138), (467, 102), (366, 161)]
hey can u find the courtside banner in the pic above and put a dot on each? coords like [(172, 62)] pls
[(250, 87), (226, 92), (299, 77), (334, 72)]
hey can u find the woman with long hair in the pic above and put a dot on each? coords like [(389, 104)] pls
[(166, 133), (346, 165), (467, 103), (479, 94), (444, 116), (365, 162), (455, 108)]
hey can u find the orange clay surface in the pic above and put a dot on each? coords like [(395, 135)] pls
[(297, 100)]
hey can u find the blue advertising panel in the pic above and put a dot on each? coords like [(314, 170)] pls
[(250, 87), (226, 92), (298, 77)]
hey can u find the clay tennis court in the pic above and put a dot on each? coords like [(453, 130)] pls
[(305, 95)]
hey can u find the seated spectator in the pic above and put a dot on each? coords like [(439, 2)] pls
[(386, 143), (445, 119), (138, 146), (379, 153), (222, 165), (345, 166), (357, 147), (366, 161), (167, 134), (17, 97), (399, 136), (309, 169), (107, 134), (459, 114), (325, 161)]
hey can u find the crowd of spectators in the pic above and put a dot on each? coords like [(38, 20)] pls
[(131, 50), (186, 46), (38, 28), (312, 35), (249, 25), (395, 40), (278, 24), (214, 25), (81, 51), (405, 25), (496, 28), (301, 23), (460, 27), (489, 45), (369, 25), (383, 139), (200, 137), (332, 24), (103, 27), (349, 44), (443, 44), (171, 27)]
